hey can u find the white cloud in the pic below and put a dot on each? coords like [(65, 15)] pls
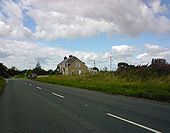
[(157, 7), (153, 51), (123, 52), (81, 18), (52, 25), (11, 21), (4, 29), (122, 48), (26, 54), (142, 56)]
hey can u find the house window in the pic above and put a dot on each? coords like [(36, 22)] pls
[(77, 64), (79, 72)]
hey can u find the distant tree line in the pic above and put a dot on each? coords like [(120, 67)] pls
[(158, 67), (11, 72)]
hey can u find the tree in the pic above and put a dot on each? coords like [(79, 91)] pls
[(37, 68), (3, 71), (28, 73), (95, 68), (13, 71), (159, 61)]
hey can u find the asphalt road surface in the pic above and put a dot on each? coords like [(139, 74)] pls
[(33, 107)]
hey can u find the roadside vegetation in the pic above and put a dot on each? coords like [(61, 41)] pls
[(151, 82), (2, 84), (14, 72)]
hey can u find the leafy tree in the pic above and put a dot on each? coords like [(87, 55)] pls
[(3, 71), (122, 65), (95, 68), (28, 73), (158, 61), (13, 71), (37, 68)]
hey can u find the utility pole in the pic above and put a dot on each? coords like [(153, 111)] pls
[(94, 63), (110, 62)]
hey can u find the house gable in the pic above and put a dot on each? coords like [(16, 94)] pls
[(72, 65)]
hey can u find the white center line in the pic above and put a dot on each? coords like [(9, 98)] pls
[(136, 124), (57, 95), (38, 87)]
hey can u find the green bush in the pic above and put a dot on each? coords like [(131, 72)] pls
[(2, 84)]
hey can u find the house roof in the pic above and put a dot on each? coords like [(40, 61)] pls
[(69, 60)]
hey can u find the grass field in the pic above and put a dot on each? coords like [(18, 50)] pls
[(2, 84), (151, 88)]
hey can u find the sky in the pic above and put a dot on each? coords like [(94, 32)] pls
[(48, 30)]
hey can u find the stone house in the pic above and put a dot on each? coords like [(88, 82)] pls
[(72, 65)]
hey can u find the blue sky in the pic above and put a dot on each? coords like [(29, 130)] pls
[(47, 31)]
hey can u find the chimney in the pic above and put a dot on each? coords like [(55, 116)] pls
[(65, 58), (70, 56)]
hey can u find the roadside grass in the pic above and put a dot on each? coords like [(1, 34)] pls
[(2, 84), (157, 88), (20, 76)]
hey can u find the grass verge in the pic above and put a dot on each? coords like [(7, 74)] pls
[(157, 88), (2, 84)]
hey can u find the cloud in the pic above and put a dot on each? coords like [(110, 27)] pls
[(153, 51), (123, 53), (157, 7), (99, 16), (4, 29), (27, 54), (4, 53), (11, 24), (82, 18), (52, 25)]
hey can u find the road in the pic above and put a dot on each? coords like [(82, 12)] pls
[(32, 107)]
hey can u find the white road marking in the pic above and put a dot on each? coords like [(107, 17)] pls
[(6, 80), (136, 124), (57, 95), (38, 87), (85, 105)]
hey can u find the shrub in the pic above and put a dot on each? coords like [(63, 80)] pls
[(2, 84)]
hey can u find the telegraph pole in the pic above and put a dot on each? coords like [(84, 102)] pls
[(94, 63), (110, 62)]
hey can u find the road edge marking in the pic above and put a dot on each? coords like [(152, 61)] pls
[(57, 95), (134, 123), (38, 87)]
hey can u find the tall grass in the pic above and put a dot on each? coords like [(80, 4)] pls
[(2, 84), (157, 88)]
